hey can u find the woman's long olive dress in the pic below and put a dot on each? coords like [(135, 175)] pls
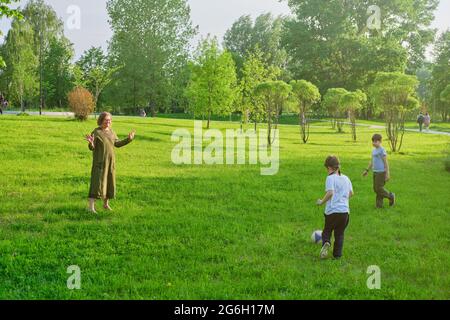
[(103, 174)]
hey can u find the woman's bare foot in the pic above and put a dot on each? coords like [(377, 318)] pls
[(91, 208), (106, 205)]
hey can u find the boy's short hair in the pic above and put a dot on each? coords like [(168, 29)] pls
[(333, 162), (377, 137)]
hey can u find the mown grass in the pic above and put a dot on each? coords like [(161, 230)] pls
[(213, 232)]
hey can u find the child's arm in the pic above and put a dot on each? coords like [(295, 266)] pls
[(327, 197), (388, 171), (366, 172)]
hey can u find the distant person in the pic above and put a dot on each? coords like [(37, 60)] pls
[(427, 121), (381, 172), (420, 121), (339, 190), (143, 114), (103, 175)]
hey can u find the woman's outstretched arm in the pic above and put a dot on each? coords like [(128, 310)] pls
[(121, 143)]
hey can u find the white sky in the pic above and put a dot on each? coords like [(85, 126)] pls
[(212, 16)]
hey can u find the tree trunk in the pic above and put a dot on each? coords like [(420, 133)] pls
[(304, 127), (209, 119)]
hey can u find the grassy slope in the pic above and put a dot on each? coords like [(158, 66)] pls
[(223, 232)]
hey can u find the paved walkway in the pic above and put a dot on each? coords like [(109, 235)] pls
[(380, 127)]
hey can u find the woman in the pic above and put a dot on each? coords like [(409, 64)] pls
[(103, 176)]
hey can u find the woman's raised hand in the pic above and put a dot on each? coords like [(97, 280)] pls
[(132, 134), (90, 139)]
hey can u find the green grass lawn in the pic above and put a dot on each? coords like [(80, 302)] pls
[(214, 232)]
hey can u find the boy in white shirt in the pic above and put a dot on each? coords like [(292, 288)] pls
[(339, 190)]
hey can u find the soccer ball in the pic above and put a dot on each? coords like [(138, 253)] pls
[(316, 237)]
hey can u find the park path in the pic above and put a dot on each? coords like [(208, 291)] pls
[(379, 127), (70, 114)]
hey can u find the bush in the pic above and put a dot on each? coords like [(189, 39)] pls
[(81, 102)]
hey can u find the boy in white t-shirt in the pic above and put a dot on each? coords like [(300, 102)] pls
[(339, 190)]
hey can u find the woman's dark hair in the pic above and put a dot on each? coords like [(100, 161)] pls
[(102, 117), (334, 163)]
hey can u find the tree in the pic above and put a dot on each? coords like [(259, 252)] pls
[(20, 73), (48, 35), (96, 73), (261, 37), (6, 11), (331, 102), (351, 103), (343, 52), (306, 94), (212, 88), (273, 94), (152, 46), (395, 93), (440, 74), (254, 72), (445, 98), (57, 70)]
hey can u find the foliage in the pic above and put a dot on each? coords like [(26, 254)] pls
[(440, 76), (81, 103), (254, 72), (152, 46), (212, 89), (306, 94), (351, 103), (395, 93), (273, 95), (261, 37), (20, 74), (331, 103), (329, 42), (94, 72)]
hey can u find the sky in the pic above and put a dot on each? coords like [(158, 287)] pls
[(211, 16)]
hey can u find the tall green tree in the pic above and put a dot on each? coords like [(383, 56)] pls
[(53, 50), (254, 72), (6, 11), (152, 46), (395, 94), (351, 103), (440, 75), (247, 37), (20, 74), (274, 95), (96, 72), (57, 65), (331, 103), (329, 42), (445, 99), (306, 94), (212, 88)]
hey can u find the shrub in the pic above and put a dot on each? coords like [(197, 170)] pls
[(81, 103)]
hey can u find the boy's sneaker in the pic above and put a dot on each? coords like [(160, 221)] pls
[(324, 251), (392, 200)]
